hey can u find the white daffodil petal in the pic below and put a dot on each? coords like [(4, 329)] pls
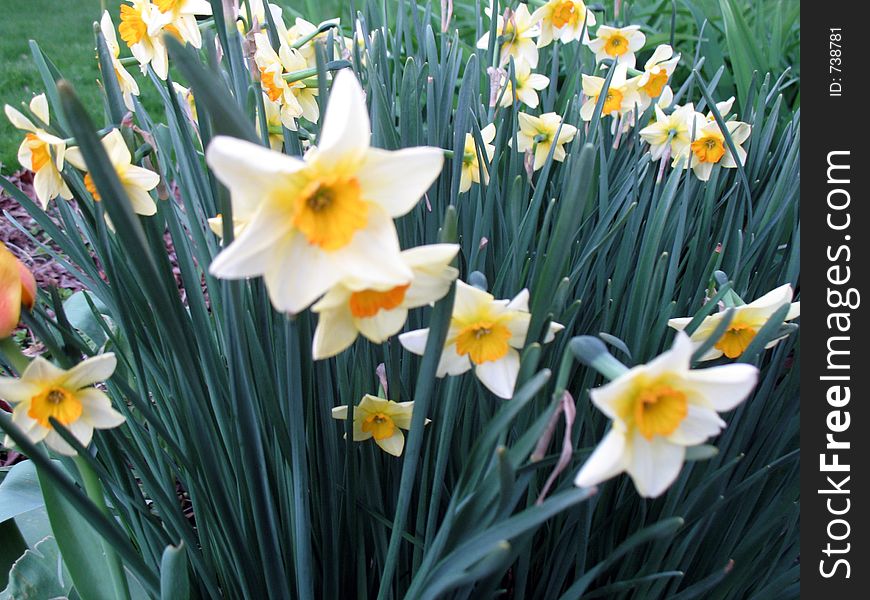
[(606, 461), (393, 444), (724, 387), (397, 180), (500, 376), (654, 465), (88, 372)]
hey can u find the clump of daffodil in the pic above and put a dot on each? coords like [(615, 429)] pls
[(528, 86), (748, 319), (653, 82), (484, 333), (618, 44), (352, 307), (516, 31), (41, 152), (563, 20), (127, 84), (17, 291), (657, 410), (178, 17), (621, 98), (137, 181), (380, 419), (709, 148), (45, 391), (471, 163), (294, 99), (670, 134), (141, 26), (540, 134), (313, 222)]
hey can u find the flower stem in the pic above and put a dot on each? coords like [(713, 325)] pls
[(94, 490)]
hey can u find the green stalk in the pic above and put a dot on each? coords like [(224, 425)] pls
[(94, 490)]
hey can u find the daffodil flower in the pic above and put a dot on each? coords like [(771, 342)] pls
[(621, 98), (35, 152), (516, 32), (258, 15), (656, 73), (563, 20), (295, 99), (528, 86), (657, 410), (137, 181), (744, 325), (352, 307), (618, 44), (540, 134), (470, 162), (709, 148), (45, 391), (380, 419), (126, 83), (17, 290), (669, 133), (141, 25), (179, 18), (328, 217), (484, 333), (274, 122), (188, 102)]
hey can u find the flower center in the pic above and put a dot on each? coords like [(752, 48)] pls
[(267, 79), (612, 102), (659, 410), (735, 341), (483, 341), (381, 426), (655, 84), (709, 149), (39, 156), (565, 14), (367, 303), (132, 27), (55, 402), (616, 45), (331, 213)]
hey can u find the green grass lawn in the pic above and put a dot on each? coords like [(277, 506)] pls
[(63, 29)]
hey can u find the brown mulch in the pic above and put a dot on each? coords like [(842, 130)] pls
[(45, 269)]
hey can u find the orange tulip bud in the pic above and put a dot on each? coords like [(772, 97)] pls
[(17, 289)]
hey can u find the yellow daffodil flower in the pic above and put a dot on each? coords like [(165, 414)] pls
[(470, 161), (45, 391), (622, 96), (141, 26), (657, 410), (656, 73), (17, 290), (516, 31), (274, 123), (313, 222), (528, 85), (669, 133), (137, 181), (484, 333), (295, 99), (539, 134), (352, 307), (179, 18), (126, 83), (563, 20), (618, 44), (380, 419), (41, 152), (748, 319), (709, 147)]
